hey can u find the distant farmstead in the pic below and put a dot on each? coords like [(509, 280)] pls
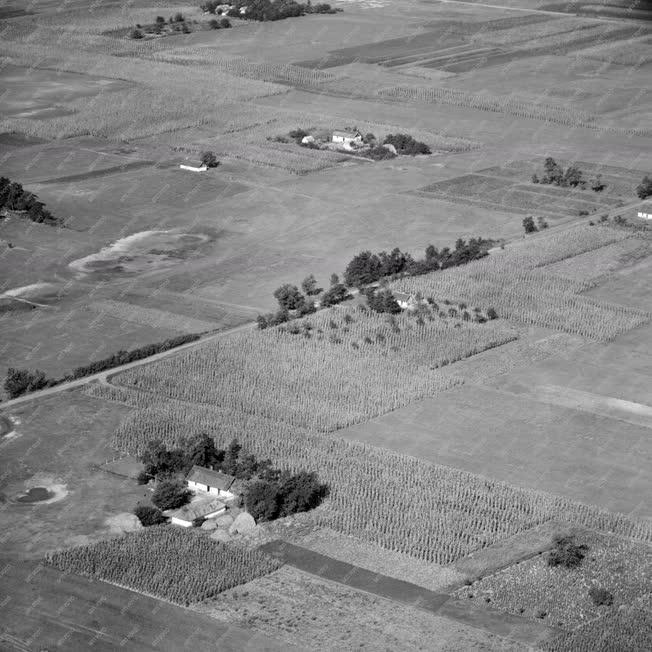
[(645, 212), (194, 166), (406, 301), (347, 138), (210, 482)]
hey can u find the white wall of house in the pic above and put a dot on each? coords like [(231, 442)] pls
[(193, 168), (178, 521), (213, 491)]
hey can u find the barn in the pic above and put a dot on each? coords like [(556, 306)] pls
[(201, 479), (201, 509), (406, 301)]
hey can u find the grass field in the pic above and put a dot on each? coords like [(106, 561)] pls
[(43, 608)]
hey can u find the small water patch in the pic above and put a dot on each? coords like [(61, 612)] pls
[(35, 495), (141, 252)]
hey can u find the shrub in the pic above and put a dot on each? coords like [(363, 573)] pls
[(178, 17), (492, 314), (378, 153), (209, 159), (136, 34), (566, 552), (149, 515), (406, 145), (528, 225), (601, 597), (171, 494), (214, 23), (644, 189), (541, 223), (225, 23), (160, 20), (143, 477)]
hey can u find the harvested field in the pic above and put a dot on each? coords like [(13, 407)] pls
[(317, 614), (378, 560)]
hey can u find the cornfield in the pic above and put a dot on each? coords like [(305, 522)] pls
[(532, 297), (434, 513), (509, 105), (322, 376), (182, 566)]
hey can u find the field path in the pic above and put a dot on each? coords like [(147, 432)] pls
[(103, 376), (498, 623)]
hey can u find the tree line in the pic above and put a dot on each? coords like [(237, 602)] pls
[(24, 381), (365, 269), (269, 492), (263, 10), (14, 197)]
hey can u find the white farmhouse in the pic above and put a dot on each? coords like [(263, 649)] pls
[(201, 479), (406, 301), (347, 139), (206, 509)]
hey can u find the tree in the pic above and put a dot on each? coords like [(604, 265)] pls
[(161, 462), (230, 462), (22, 381), (225, 23), (383, 301), (492, 314), (572, 177), (179, 18), (261, 500), (136, 34), (299, 493), (160, 20), (209, 159), (528, 225), (201, 451), (335, 279), (149, 515), (365, 268), (214, 23), (309, 285), (369, 138), (553, 172), (289, 297), (541, 223), (334, 295), (596, 183), (171, 494), (644, 189)]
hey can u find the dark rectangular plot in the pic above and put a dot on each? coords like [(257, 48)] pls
[(354, 576)]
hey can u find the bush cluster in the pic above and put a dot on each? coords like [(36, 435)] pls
[(382, 301), (572, 177), (15, 198), (566, 552), (530, 227), (270, 498), (644, 189), (23, 381), (406, 145)]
